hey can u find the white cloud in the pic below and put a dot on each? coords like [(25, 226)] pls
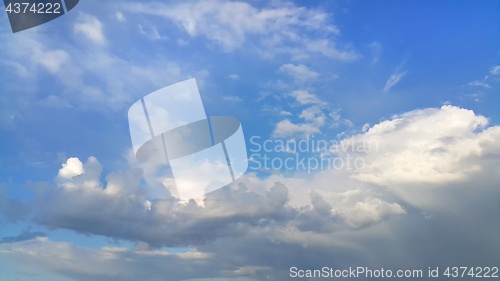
[(233, 76), (233, 99), (119, 16), (314, 114), (91, 27), (480, 84), (182, 42), (372, 210), (286, 128), (52, 60), (120, 80), (315, 118), (475, 96), (228, 24), (76, 175), (376, 49), (73, 167), (55, 102), (495, 70), (251, 270), (150, 32), (19, 69), (328, 49), (335, 115), (304, 97), (210, 18), (348, 123), (393, 80), (299, 72), (365, 128), (428, 147), (26, 55)]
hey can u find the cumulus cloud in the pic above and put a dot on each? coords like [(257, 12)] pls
[(316, 115), (372, 210), (120, 209), (73, 167), (429, 148), (299, 72), (91, 27), (121, 204)]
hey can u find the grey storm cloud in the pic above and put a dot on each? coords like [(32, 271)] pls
[(120, 210)]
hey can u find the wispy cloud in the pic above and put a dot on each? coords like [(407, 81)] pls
[(304, 97), (150, 32), (181, 42), (480, 84), (495, 70), (393, 80), (229, 24), (233, 98), (286, 128), (233, 76), (120, 17), (328, 49), (91, 27), (376, 49), (299, 72)]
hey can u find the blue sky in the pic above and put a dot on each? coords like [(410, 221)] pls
[(419, 77)]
